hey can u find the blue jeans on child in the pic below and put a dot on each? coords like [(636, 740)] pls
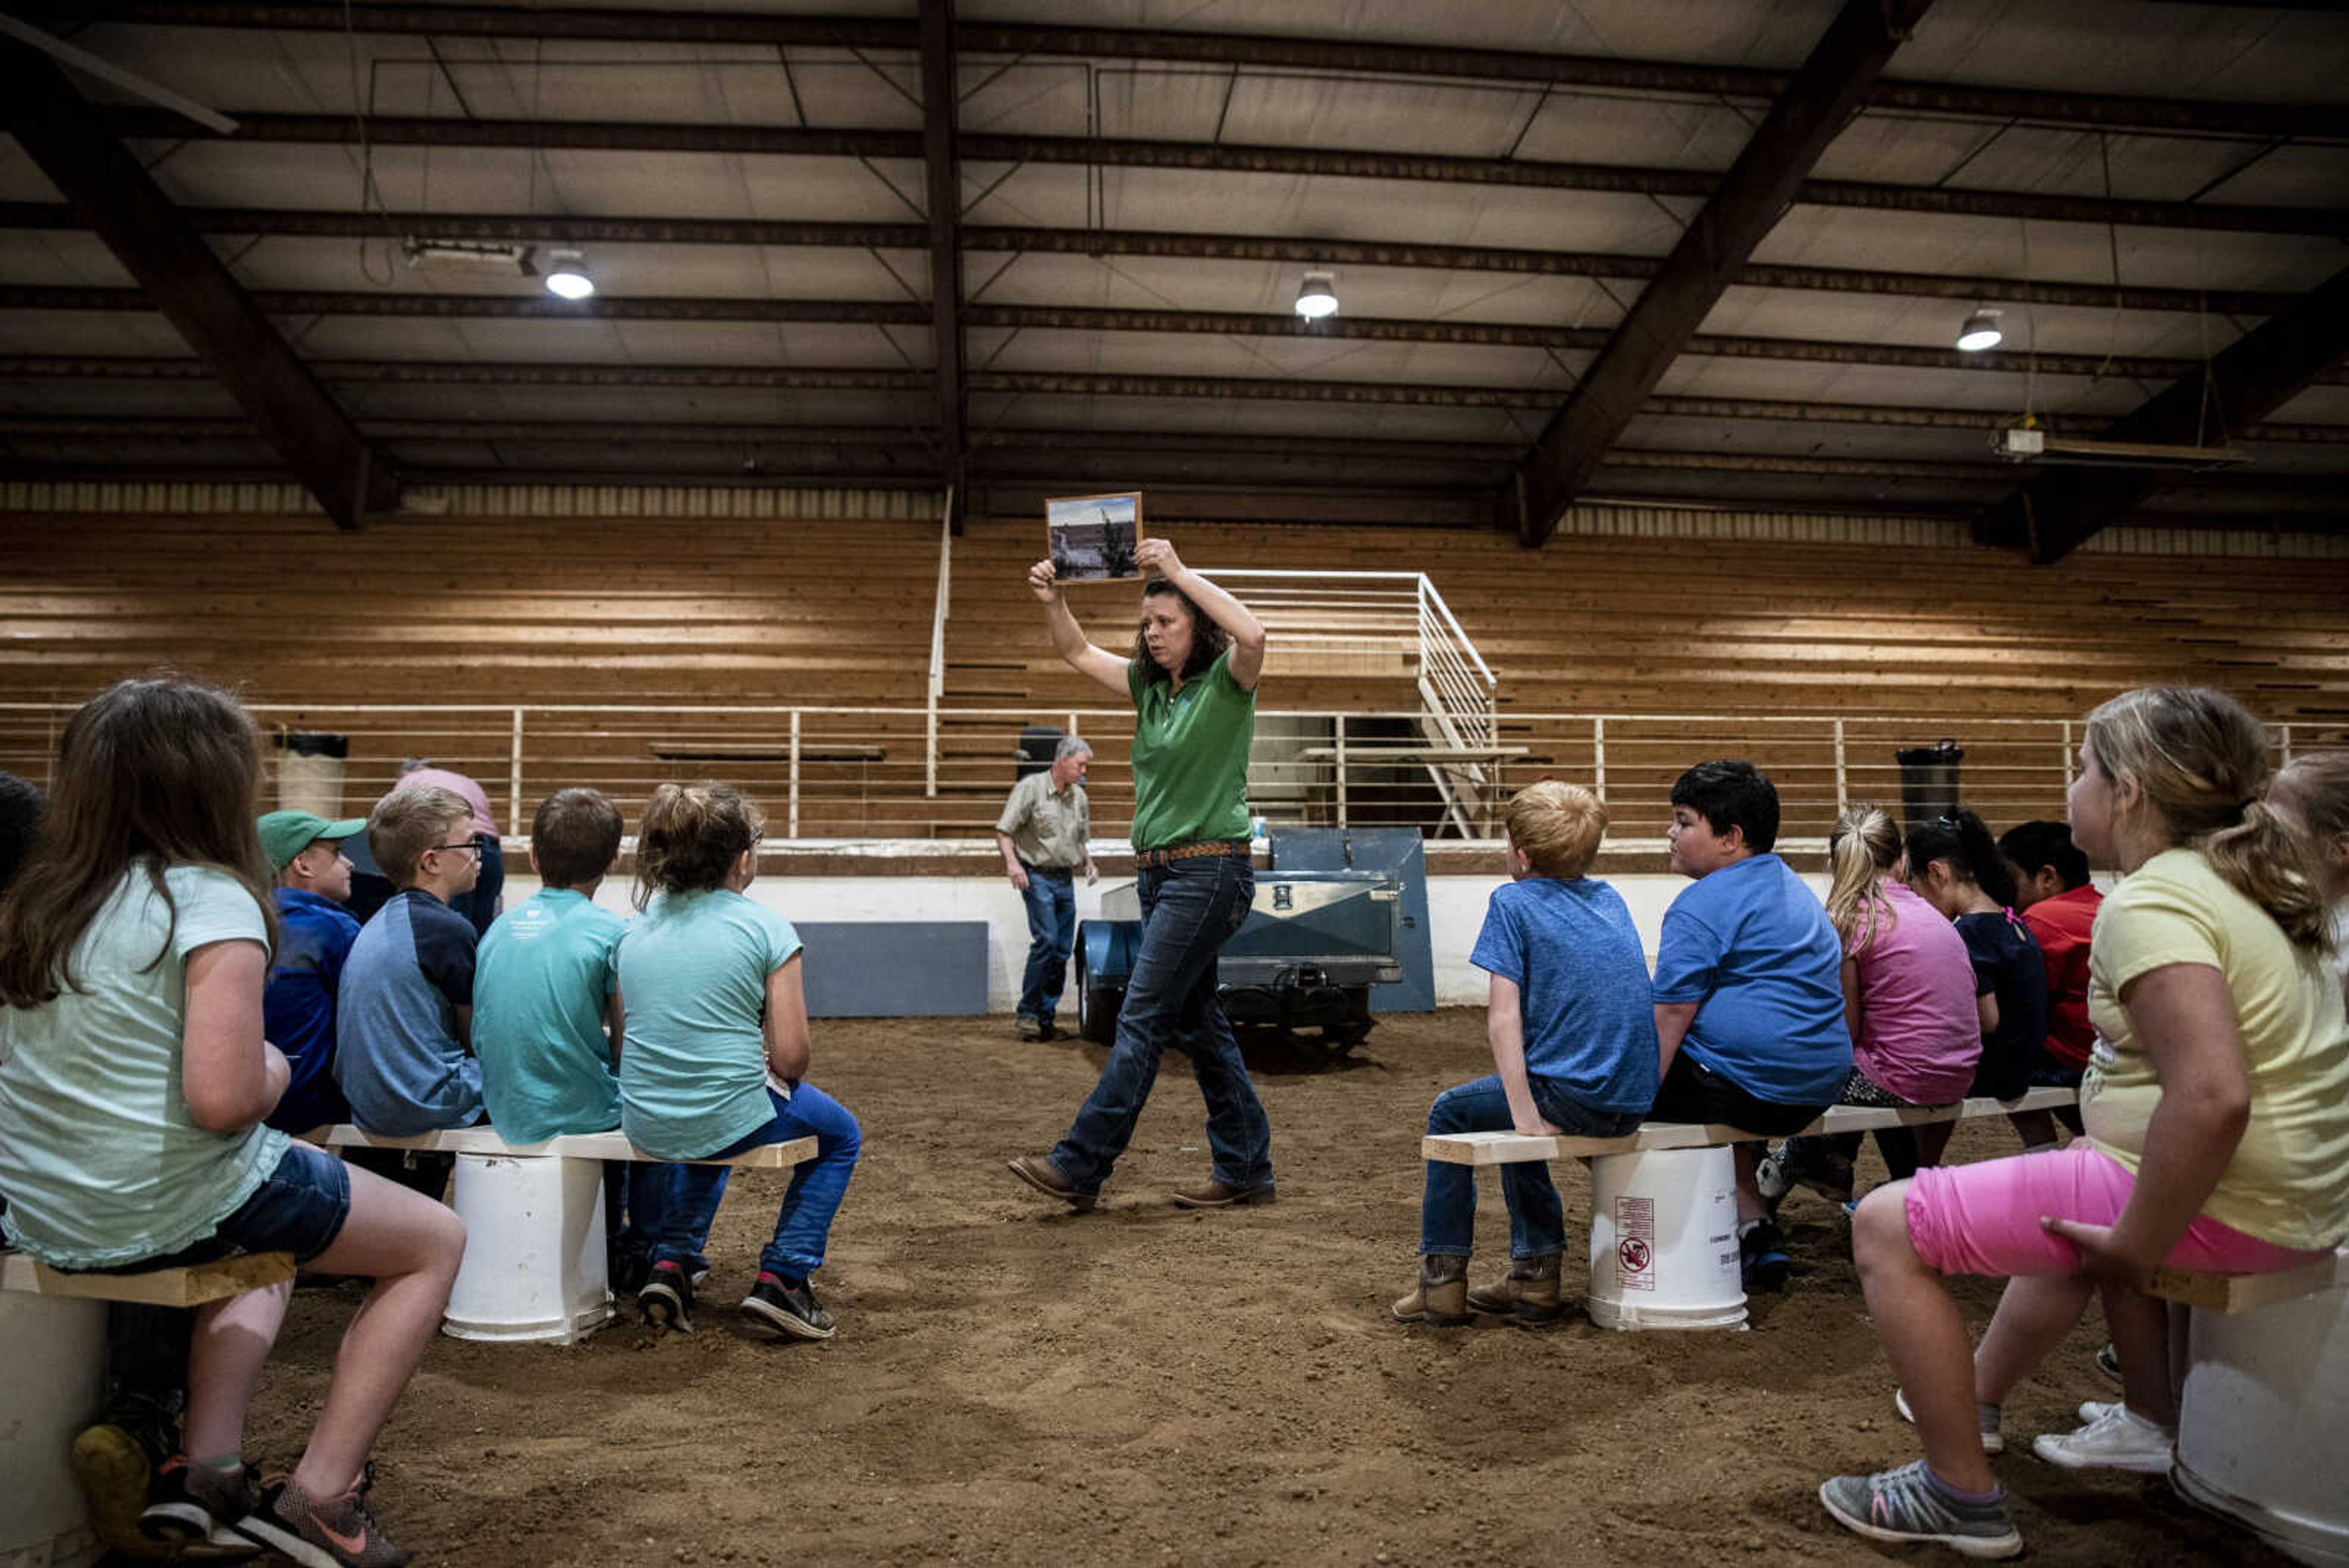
[(1447, 1221), (817, 1186), (1189, 908), (1051, 900)]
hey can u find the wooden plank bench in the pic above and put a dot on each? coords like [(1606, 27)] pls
[(54, 1325), (1511, 1148), (534, 1265)]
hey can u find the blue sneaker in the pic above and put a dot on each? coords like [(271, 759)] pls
[(1907, 1504), (1762, 1261)]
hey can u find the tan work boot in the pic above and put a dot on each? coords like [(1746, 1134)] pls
[(1528, 1293), (1442, 1293)]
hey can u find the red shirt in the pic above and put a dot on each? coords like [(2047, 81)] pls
[(2063, 924)]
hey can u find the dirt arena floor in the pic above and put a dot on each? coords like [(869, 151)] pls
[(1012, 1384)]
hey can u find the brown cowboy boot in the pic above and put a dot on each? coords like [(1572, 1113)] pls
[(1528, 1293), (1442, 1293)]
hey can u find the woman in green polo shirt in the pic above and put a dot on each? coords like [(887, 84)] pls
[(1192, 680)]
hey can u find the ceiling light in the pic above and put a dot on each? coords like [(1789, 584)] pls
[(1979, 332), (1318, 297), (424, 251), (566, 275)]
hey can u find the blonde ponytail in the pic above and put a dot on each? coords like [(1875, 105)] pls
[(1861, 851)]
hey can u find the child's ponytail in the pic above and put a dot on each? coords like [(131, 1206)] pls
[(1961, 839), (691, 837), (1861, 853)]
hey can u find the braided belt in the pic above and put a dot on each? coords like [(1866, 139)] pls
[(1233, 846)]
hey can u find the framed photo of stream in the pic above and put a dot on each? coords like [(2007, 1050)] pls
[(1092, 537)]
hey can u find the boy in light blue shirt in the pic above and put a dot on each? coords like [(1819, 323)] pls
[(1748, 988), (548, 1018)]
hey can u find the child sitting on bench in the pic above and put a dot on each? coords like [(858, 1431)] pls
[(1574, 1042), (715, 1056), (133, 946)]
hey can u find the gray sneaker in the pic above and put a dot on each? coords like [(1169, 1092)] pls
[(322, 1532), (1985, 1416), (1905, 1505)]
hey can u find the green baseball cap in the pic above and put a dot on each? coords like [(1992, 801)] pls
[(285, 833)]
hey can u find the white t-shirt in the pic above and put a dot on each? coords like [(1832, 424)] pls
[(99, 1160)]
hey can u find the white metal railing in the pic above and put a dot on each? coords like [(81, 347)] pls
[(938, 688), (866, 773)]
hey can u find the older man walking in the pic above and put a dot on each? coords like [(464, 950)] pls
[(1042, 833)]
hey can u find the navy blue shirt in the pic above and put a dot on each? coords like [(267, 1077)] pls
[(2008, 965), (297, 1009), (1572, 952), (1753, 947), (400, 1058)]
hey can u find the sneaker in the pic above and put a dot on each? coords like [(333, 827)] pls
[(1906, 1504), (1993, 1440), (188, 1503), (1045, 1177), (2095, 1410), (1215, 1195), (665, 1300), (777, 1310), (2119, 1440), (627, 1273), (1770, 1177), (1030, 1028), (1762, 1261), (2108, 1362), (337, 1532)]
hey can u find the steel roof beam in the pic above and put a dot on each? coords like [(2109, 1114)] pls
[(942, 171), (1336, 56), (67, 138), (2061, 510), (795, 142), (317, 223), (1824, 95)]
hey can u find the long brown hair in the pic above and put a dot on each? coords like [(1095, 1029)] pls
[(157, 773), (691, 837)]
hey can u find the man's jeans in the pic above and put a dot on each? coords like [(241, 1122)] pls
[(1051, 900), (1189, 908), (1447, 1222), (804, 1222)]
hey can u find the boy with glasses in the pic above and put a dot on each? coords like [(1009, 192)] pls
[(403, 1054)]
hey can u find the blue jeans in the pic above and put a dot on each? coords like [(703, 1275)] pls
[(1189, 908), (818, 1185), (635, 1194), (1051, 900), (299, 1207), (1447, 1222)]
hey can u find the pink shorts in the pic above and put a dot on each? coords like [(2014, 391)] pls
[(1983, 1218)]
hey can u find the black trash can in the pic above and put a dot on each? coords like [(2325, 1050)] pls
[(1929, 780), (1037, 744)]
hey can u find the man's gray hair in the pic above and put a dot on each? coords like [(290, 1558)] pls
[(1072, 746)]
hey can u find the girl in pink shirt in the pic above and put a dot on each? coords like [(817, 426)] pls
[(1908, 1001)]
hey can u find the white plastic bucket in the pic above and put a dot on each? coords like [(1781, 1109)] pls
[(533, 1266), (55, 1387), (1663, 1241), (2263, 1423)]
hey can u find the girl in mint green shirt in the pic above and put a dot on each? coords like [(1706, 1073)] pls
[(134, 1079)]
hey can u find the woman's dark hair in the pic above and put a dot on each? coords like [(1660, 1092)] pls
[(1207, 638), (691, 837), (157, 773), (1960, 839), (1732, 793)]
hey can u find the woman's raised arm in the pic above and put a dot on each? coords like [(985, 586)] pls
[(1068, 638)]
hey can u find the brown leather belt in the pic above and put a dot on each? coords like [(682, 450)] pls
[(1232, 847)]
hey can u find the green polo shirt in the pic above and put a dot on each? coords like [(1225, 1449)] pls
[(1190, 756)]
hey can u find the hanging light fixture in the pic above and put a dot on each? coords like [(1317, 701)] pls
[(566, 275), (1318, 297), (1980, 331)]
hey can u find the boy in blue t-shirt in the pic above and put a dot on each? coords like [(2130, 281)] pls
[(547, 1018), (405, 1012), (1748, 991), (1574, 1042), (315, 933)]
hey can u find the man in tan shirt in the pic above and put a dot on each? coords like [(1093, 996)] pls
[(1042, 833)]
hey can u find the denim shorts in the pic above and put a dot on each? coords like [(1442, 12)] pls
[(299, 1207)]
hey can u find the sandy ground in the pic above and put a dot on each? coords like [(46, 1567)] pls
[(1142, 1384)]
